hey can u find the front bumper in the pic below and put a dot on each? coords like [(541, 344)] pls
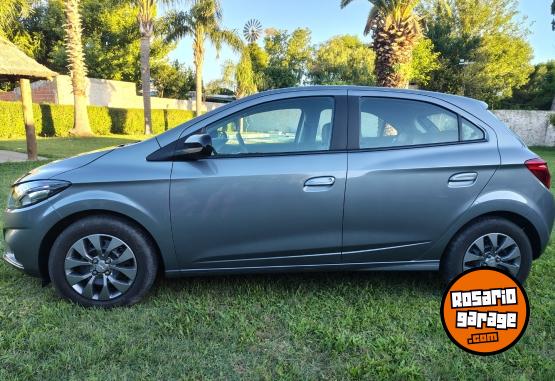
[(10, 258), (24, 231)]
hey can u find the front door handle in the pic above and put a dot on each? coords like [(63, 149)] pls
[(324, 181), (465, 179)]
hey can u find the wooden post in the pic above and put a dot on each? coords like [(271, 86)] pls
[(27, 101)]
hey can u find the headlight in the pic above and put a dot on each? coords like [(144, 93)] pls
[(32, 192)]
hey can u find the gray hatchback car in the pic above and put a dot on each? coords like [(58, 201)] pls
[(315, 178)]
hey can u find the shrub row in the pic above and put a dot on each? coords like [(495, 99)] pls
[(57, 120)]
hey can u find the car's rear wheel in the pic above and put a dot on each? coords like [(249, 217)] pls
[(102, 261), (489, 242)]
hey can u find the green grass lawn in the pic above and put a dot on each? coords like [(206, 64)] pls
[(56, 148), (302, 326)]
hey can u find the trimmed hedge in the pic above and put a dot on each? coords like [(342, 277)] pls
[(57, 120)]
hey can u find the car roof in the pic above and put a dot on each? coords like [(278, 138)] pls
[(457, 100)]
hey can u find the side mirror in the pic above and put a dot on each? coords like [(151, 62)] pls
[(196, 147)]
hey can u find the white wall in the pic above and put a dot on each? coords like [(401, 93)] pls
[(533, 127), (119, 94)]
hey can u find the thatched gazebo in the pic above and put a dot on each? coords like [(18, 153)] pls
[(16, 65)]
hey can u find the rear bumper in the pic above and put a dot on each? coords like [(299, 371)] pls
[(546, 207)]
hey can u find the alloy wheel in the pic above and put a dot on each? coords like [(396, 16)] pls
[(493, 250), (100, 267)]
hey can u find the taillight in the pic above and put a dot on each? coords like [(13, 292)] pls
[(539, 168)]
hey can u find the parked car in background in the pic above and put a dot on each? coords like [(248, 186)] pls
[(315, 178)]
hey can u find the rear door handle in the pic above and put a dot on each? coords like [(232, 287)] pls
[(465, 179), (319, 182)]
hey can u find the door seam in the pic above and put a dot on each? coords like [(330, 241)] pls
[(346, 178)]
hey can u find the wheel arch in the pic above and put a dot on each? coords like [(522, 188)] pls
[(525, 224), (54, 231)]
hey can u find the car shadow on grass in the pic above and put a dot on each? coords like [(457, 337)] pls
[(394, 285), (394, 282)]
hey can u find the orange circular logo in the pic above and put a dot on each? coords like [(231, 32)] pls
[(485, 311)]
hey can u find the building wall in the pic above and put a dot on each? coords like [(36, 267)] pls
[(42, 92), (119, 94), (7, 96), (533, 127), (100, 92)]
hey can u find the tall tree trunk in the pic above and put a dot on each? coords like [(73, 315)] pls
[(198, 49), (27, 101), (77, 68), (198, 78), (394, 47), (145, 79)]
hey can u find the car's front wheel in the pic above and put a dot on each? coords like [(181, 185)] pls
[(489, 242), (102, 261)]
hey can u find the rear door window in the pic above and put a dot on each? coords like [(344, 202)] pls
[(387, 122)]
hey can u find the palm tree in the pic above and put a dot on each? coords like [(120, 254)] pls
[(10, 11), (146, 16), (77, 68), (203, 21), (395, 27)]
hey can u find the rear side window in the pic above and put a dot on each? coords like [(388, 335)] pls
[(398, 122), (470, 132)]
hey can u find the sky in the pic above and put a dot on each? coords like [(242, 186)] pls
[(325, 19)]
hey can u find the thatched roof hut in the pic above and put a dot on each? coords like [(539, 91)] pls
[(14, 64)]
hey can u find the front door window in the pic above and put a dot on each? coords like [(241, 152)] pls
[(285, 126)]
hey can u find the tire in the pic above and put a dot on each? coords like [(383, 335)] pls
[(122, 276), (452, 263)]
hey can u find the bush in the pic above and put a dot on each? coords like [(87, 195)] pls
[(57, 120), (552, 120)]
